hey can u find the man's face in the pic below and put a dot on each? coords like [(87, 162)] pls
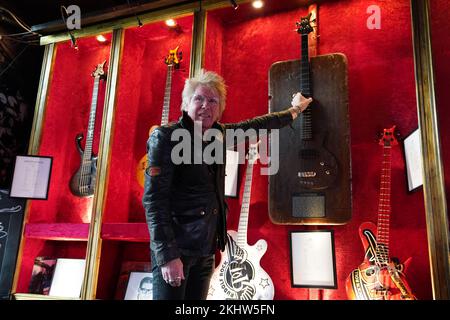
[(204, 106), (145, 291)]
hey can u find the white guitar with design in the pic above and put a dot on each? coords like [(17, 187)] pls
[(239, 275)]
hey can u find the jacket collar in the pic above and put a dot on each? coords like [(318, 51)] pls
[(187, 123)]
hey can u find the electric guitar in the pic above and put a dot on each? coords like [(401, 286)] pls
[(318, 167), (172, 60), (239, 275), (82, 183), (380, 277)]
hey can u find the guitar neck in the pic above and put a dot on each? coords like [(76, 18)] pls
[(384, 207), (166, 105), (305, 89), (245, 208), (91, 125)]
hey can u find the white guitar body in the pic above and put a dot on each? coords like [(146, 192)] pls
[(239, 275)]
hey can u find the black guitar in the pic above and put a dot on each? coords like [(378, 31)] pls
[(82, 183), (317, 166)]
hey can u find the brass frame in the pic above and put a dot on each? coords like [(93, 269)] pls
[(433, 185), (93, 254), (156, 15), (35, 139)]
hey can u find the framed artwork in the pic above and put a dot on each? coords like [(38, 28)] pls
[(67, 278), (140, 286), (413, 159), (125, 271), (31, 177), (231, 173), (313, 261), (42, 275)]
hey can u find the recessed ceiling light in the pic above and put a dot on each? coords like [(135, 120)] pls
[(171, 23), (101, 38), (257, 4)]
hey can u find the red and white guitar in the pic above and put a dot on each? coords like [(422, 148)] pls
[(239, 275), (380, 277)]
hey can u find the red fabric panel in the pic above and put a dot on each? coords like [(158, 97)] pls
[(139, 106), (67, 114)]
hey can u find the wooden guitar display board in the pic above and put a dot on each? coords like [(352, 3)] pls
[(319, 193), (290, 203)]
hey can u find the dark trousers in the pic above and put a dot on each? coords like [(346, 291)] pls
[(197, 273)]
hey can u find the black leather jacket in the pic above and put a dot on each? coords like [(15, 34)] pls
[(185, 204)]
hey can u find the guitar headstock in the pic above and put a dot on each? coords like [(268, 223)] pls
[(253, 153), (388, 138), (304, 26), (174, 58), (99, 71)]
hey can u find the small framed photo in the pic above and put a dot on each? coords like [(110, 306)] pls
[(313, 261), (31, 177), (140, 286), (413, 159), (231, 173)]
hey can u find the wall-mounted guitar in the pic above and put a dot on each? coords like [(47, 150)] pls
[(82, 183), (172, 60), (380, 277), (317, 166), (239, 275)]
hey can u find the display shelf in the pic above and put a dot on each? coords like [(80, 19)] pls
[(57, 231), (31, 296), (134, 232)]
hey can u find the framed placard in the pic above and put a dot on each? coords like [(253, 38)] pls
[(313, 261), (413, 159), (231, 173), (31, 177)]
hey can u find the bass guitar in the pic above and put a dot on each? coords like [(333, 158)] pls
[(172, 60), (317, 167), (82, 183), (380, 277), (239, 275)]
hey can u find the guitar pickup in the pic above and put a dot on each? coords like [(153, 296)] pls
[(307, 174)]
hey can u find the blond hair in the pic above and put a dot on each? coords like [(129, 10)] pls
[(209, 79)]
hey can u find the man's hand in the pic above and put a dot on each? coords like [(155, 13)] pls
[(299, 103), (172, 272)]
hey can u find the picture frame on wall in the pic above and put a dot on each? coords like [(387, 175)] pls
[(413, 159), (140, 286), (313, 260), (31, 178)]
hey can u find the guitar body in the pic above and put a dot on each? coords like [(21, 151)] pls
[(318, 168), (239, 275), (82, 183), (372, 282), (143, 163)]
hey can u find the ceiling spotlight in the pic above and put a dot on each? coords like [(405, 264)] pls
[(101, 38), (257, 4), (171, 23)]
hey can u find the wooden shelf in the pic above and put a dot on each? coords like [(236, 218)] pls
[(57, 231), (134, 232)]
